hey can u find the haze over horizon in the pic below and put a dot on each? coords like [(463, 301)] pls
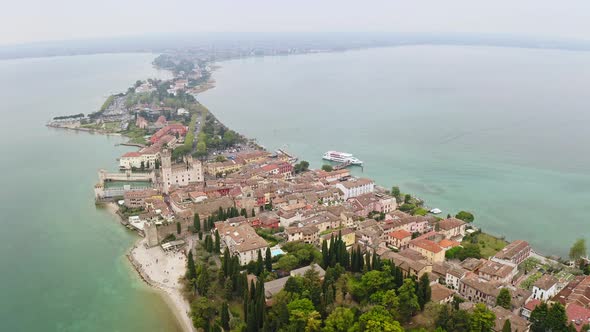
[(31, 21)]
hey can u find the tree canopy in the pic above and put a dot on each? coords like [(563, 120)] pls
[(465, 216), (578, 249)]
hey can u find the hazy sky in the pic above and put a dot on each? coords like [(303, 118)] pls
[(39, 20)]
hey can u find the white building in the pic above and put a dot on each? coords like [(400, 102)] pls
[(454, 276), (132, 160), (545, 288), (356, 187)]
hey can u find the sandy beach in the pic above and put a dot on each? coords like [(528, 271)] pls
[(162, 271)]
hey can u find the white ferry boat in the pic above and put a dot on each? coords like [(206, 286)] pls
[(341, 157)]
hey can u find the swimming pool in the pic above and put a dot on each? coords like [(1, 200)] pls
[(276, 251)]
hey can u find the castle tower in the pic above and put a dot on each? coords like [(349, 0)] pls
[(151, 234), (166, 170)]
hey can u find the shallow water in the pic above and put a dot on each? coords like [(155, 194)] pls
[(63, 260)]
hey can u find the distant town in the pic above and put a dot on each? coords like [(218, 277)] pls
[(244, 239)]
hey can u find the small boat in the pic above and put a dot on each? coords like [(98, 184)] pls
[(435, 211), (341, 157)]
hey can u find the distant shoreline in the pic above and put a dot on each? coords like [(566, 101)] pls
[(325, 42)]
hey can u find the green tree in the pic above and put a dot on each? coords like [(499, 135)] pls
[(407, 198), (192, 272), (303, 316), (268, 260), (408, 300), (197, 223), (302, 166), (504, 299), (465, 216), (556, 318), (395, 192), (259, 264), (378, 319), (202, 312), (253, 213), (340, 320), (225, 316), (217, 247), (327, 168), (454, 320), (424, 292), (482, 319), (539, 318), (287, 262), (390, 301), (578, 249), (178, 230), (202, 280), (507, 327)]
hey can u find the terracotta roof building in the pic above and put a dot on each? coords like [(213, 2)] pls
[(515, 252)]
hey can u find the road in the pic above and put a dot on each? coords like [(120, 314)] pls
[(197, 129)]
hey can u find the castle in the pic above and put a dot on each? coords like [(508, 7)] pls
[(180, 175)]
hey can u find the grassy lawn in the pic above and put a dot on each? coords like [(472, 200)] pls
[(269, 238), (489, 245), (528, 283), (136, 135), (112, 126)]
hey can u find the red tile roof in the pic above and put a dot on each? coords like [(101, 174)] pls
[(578, 315), (427, 245), (532, 304), (400, 234), (131, 154)]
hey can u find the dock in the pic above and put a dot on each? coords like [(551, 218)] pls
[(342, 166)]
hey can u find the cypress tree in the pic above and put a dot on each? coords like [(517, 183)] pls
[(346, 259), (259, 263), (178, 229), (225, 316), (209, 243), (253, 213), (374, 261), (197, 223), (325, 254), (260, 304), (246, 301), (368, 261), (192, 272), (361, 259), (200, 235), (217, 242), (331, 252), (252, 291), (226, 263), (424, 291), (268, 260), (507, 326)]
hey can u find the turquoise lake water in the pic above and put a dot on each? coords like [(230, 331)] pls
[(502, 132), (63, 261)]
